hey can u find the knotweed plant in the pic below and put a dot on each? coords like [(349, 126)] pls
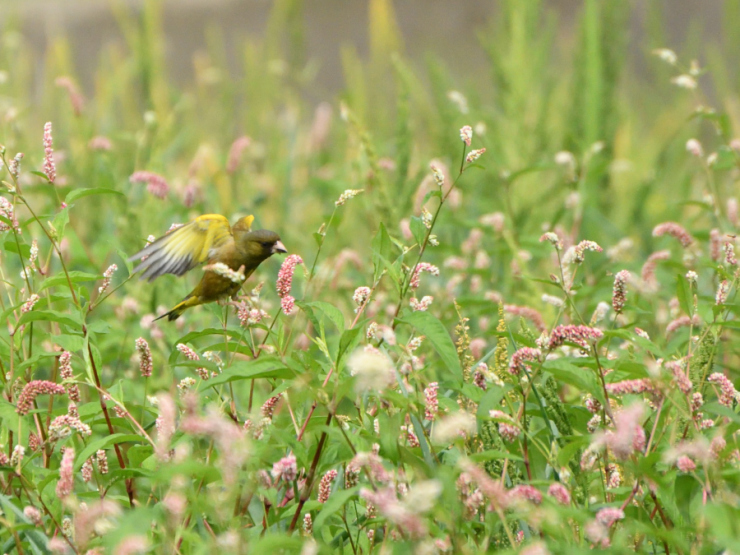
[(461, 359)]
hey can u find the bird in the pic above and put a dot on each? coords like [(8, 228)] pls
[(232, 254)]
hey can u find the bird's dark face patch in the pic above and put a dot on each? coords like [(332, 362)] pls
[(261, 243)]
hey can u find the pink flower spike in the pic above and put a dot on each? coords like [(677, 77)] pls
[(34, 389), (685, 464), (422, 267), (235, 153), (674, 230), (155, 183), (65, 485), (528, 314), (518, 359), (619, 293), (49, 167), (609, 515), (431, 405), (285, 469), (145, 357), (580, 335), (285, 281), (560, 493), (325, 485)]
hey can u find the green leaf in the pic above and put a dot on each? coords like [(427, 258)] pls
[(71, 343), (582, 379), (331, 312), (74, 277), (418, 229), (334, 503), (264, 367), (492, 454), (80, 193), (36, 538), (683, 292), (347, 342), (71, 320), (382, 248), (104, 442), (438, 336), (8, 416)]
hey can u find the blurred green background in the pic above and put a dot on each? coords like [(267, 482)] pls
[(362, 95)]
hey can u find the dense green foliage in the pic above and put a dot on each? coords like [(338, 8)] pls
[(450, 379)]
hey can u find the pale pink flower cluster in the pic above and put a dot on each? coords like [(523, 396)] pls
[(506, 425), (431, 404), (32, 514), (372, 464), (490, 488), (307, 525), (674, 230), (361, 295), (728, 394), (722, 292), (63, 425), (285, 469), (107, 276), (715, 244), (99, 142), (396, 512), (247, 315), (165, 425), (32, 390), (439, 176), (560, 493), (347, 195), (102, 459), (235, 153), (628, 436), (421, 305), (7, 211), (285, 281), (268, 407), (582, 247), (685, 464), (552, 238), (422, 267), (75, 96), (30, 303), (15, 165), (525, 492), (648, 269), (50, 168), (520, 357), (630, 387), (580, 335), (473, 155), (65, 485), (528, 314), (155, 183), (145, 357), (730, 258), (65, 372), (609, 515), (325, 485), (619, 293), (683, 322), (190, 354), (466, 134)]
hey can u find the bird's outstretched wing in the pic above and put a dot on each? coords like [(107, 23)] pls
[(185, 248)]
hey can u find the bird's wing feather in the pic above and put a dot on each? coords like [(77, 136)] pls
[(185, 248)]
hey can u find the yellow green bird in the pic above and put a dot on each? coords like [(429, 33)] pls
[(209, 238)]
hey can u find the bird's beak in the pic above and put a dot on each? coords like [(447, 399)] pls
[(278, 247)]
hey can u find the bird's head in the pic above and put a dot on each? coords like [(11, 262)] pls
[(261, 243)]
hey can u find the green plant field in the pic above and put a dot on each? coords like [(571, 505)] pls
[(512, 322)]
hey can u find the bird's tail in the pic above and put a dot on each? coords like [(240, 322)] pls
[(188, 302)]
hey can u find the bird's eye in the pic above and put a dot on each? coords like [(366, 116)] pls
[(266, 244)]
